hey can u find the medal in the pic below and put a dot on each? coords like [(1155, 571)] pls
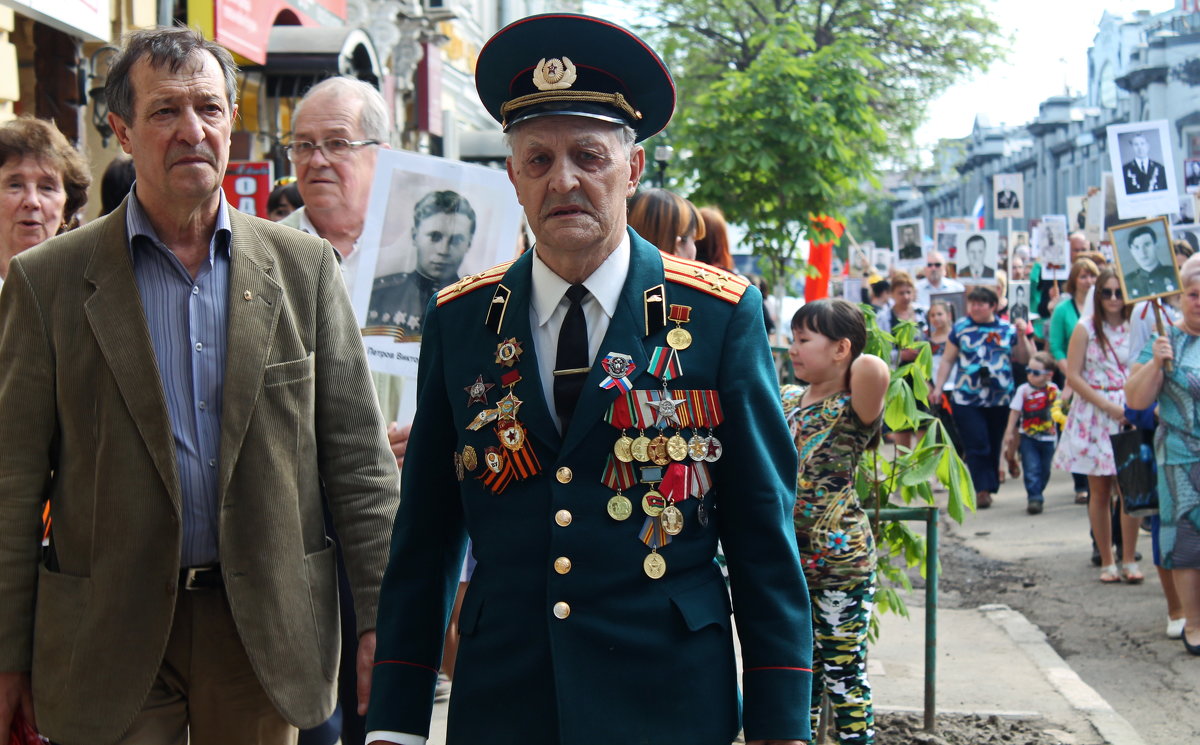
[(714, 450), (511, 435), (654, 565), (622, 448), (458, 466), (469, 458), (701, 514), (653, 503), (672, 520), (483, 418), (664, 364), (618, 366), (698, 447), (508, 352), (477, 391), (640, 449), (678, 337), (507, 407), (658, 451), (677, 448), (619, 507)]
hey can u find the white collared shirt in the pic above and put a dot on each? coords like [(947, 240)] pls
[(548, 308), (349, 263)]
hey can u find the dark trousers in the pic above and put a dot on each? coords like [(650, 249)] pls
[(982, 432), (1035, 461)]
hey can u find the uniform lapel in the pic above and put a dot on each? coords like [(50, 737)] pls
[(114, 312), (534, 412), (626, 335), (255, 299)]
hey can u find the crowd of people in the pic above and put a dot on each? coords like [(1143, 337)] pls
[(1026, 399), (206, 536)]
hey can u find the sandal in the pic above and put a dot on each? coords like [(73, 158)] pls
[(1131, 574), (1109, 575), (1081, 497)]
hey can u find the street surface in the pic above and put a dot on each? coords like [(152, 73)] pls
[(1113, 636)]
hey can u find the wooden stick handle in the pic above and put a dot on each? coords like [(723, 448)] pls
[(1168, 365)]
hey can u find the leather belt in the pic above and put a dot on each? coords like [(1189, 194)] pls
[(201, 578)]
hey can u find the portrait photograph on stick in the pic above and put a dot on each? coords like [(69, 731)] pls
[(979, 257), (1144, 169), (1007, 191), (906, 240), (1018, 300), (1145, 259), (1051, 246)]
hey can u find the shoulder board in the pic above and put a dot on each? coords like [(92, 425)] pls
[(473, 282), (705, 278)]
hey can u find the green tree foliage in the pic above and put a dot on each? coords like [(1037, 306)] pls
[(921, 46)]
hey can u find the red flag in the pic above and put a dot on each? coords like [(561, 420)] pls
[(820, 257)]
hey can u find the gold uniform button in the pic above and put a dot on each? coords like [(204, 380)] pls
[(561, 610), (563, 517), (564, 475), (562, 565)]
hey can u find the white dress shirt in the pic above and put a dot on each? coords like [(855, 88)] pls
[(547, 309)]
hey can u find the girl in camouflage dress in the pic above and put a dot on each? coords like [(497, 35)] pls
[(833, 420)]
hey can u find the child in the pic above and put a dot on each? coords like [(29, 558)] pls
[(833, 421), (1031, 407)]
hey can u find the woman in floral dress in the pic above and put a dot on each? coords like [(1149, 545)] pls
[(1098, 361)]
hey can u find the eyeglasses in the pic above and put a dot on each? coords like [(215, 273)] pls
[(1108, 293), (933, 264), (1031, 371), (300, 151)]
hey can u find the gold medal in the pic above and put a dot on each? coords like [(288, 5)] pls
[(653, 503), (619, 507), (679, 338), (622, 448), (469, 458), (640, 449), (677, 448), (672, 520), (658, 451), (654, 565)]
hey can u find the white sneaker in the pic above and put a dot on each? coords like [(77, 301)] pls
[(1175, 627)]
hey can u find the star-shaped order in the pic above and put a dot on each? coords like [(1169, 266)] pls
[(508, 406), (477, 391), (665, 409)]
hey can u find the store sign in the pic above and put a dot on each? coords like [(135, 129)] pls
[(85, 19), (248, 184), (244, 26)]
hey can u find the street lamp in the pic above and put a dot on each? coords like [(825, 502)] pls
[(662, 154)]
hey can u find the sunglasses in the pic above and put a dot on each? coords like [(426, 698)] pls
[(1031, 371), (933, 264), (1108, 293)]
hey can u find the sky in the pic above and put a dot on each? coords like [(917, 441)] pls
[(1048, 40)]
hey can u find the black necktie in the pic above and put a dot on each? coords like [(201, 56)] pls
[(572, 366)]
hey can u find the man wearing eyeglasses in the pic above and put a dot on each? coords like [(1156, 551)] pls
[(337, 131), (935, 281)]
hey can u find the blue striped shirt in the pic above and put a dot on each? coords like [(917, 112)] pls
[(188, 319)]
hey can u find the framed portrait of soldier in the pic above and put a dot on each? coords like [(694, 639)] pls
[(883, 259), (1051, 249), (979, 257), (1145, 259), (1008, 195), (1191, 175), (430, 221), (1018, 300), (1143, 169), (906, 240)]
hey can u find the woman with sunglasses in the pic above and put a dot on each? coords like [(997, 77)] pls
[(1098, 360)]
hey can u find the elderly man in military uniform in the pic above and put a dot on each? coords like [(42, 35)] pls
[(1151, 277), (1140, 173), (594, 415), (443, 228)]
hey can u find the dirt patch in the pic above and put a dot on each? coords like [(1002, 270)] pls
[(964, 729)]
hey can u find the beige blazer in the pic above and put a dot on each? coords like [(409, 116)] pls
[(83, 422)]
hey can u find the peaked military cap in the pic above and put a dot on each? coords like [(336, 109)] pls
[(575, 65)]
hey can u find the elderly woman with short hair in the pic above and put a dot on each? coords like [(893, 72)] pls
[(1177, 444), (43, 184)]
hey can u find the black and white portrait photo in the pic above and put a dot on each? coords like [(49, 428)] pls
[(1145, 258), (1007, 189), (1191, 175), (978, 256), (906, 240), (1143, 169), (1018, 300)]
